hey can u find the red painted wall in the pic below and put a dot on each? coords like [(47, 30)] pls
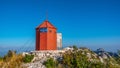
[(51, 39), (43, 41), (37, 39), (46, 40)]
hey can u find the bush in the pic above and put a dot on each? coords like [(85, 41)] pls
[(1, 58), (28, 58), (79, 60), (11, 60), (9, 55), (118, 52), (75, 47), (50, 63)]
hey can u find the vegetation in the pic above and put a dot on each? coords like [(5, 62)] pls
[(28, 58), (118, 58), (11, 60), (79, 59), (1, 58), (75, 47), (76, 58), (51, 63), (119, 52)]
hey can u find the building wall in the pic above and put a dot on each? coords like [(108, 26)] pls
[(37, 39), (59, 40), (46, 36), (51, 39), (46, 40), (43, 41)]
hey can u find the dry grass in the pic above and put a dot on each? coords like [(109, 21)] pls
[(13, 61)]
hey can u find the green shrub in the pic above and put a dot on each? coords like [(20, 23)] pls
[(79, 60), (75, 47), (50, 63), (28, 58)]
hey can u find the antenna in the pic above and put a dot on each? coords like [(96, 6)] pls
[(46, 15)]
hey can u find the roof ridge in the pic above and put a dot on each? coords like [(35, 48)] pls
[(46, 23)]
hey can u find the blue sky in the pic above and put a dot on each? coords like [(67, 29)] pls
[(89, 23)]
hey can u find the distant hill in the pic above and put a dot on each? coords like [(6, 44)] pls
[(18, 49)]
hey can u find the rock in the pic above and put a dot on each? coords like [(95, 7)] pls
[(41, 56)]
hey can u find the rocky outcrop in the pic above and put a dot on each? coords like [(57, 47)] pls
[(41, 56), (102, 53)]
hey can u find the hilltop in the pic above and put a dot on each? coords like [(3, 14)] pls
[(72, 57), (69, 57)]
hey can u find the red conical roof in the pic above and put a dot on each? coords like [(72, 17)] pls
[(46, 24)]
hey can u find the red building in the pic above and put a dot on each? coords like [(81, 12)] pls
[(46, 36)]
